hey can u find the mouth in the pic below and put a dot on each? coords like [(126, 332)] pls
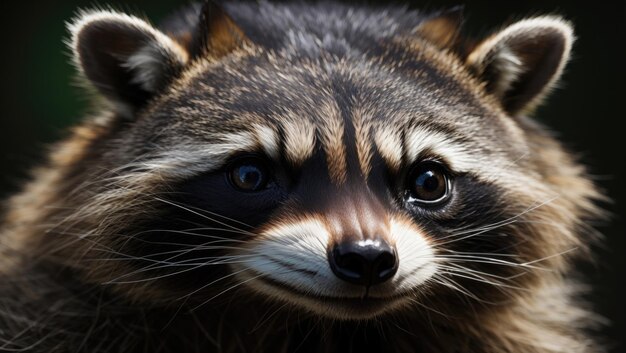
[(336, 307)]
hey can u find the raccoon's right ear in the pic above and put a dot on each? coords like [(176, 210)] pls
[(216, 34), (124, 57)]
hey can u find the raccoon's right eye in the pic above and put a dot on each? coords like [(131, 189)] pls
[(248, 174)]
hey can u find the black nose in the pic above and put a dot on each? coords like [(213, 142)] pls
[(364, 262)]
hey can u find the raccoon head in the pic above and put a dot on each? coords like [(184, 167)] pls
[(347, 162)]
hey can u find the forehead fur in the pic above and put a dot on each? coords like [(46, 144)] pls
[(328, 100), (398, 98), (313, 29)]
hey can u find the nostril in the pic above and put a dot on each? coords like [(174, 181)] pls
[(385, 266), (363, 263), (351, 264)]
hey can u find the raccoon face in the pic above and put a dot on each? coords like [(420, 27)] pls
[(349, 173)]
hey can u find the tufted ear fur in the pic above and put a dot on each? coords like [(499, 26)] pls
[(216, 34), (442, 28), (522, 62), (124, 57)]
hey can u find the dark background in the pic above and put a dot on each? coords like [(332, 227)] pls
[(39, 102)]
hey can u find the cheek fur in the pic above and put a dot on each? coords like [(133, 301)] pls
[(487, 242)]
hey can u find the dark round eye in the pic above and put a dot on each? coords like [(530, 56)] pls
[(249, 174), (428, 183)]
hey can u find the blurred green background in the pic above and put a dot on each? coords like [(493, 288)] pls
[(39, 102)]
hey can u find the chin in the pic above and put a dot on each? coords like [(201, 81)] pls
[(371, 304)]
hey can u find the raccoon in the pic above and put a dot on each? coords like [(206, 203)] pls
[(265, 177)]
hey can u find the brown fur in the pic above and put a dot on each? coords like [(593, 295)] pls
[(73, 264)]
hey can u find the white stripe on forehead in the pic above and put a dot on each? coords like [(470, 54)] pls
[(188, 159), (420, 138), (362, 122), (395, 145), (389, 144), (268, 139), (299, 139), (331, 136)]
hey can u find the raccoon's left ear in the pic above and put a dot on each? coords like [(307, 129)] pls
[(124, 57), (522, 62)]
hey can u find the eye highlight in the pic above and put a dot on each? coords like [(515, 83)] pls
[(248, 174), (428, 183)]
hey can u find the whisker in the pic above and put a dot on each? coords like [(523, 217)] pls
[(229, 289), (116, 280), (481, 230), (188, 232), (129, 257), (551, 256), (479, 253), (487, 260), (459, 272), (219, 215), (469, 270), (204, 216), (450, 283), (417, 302)]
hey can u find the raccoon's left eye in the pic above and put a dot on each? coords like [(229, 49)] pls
[(428, 183), (248, 174)]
